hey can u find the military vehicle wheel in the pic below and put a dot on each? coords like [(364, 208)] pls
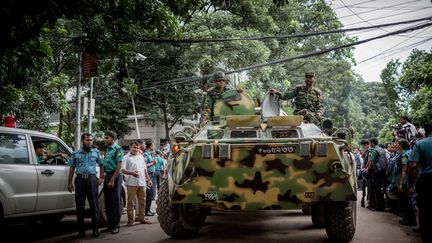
[(340, 220), (178, 220), (317, 215)]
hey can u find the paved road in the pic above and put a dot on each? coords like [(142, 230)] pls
[(263, 226)]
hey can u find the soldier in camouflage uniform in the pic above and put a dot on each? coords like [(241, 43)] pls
[(307, 99), (215, 93)]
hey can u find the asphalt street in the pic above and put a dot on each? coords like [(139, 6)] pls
[(259, 227)]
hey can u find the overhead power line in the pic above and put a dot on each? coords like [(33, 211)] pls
[(299, 35), (275, 62), (388, 16), (391, 51), (377, 9), (361, 18), (396, 45), (355, 4)]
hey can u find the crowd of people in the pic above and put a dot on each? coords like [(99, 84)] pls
[(141, 170), (393, 176)]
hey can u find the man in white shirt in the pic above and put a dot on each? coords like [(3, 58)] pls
[(135, 169), (408, 127)]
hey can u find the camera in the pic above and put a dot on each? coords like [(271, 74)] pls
[(396, 126), (401, 131)]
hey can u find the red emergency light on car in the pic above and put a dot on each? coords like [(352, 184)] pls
[(9, 121)]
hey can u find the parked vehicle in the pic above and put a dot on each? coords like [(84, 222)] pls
[(35, 190)]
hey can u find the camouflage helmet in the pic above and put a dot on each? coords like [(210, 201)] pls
[(219, 75)]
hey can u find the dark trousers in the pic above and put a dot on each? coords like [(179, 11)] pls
[(151, 192), (113, 205), (87, 188), (378, 193), (424, 204), (370, 193), (408, 207), (363, 189), (158, 174)]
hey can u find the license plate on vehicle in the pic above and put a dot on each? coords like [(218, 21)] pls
[(211, 196), (275, 150)]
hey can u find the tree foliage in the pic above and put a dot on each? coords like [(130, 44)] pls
[(39, 61), (408, 87)]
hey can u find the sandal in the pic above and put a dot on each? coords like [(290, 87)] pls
[(145, 222)]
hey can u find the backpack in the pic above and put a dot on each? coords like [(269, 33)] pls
[(381, 165), (394, 165)]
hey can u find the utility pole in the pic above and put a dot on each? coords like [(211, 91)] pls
[(133, 107), (90, 107), (136, 119), (78, 98)]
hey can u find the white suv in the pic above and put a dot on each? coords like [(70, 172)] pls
[(28, 188)]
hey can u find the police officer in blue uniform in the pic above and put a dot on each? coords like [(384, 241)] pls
[(83, 162), (113, 182)]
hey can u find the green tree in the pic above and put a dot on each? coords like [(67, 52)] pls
[(417, 78)]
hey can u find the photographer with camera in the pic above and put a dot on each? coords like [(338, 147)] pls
[(405, 129)]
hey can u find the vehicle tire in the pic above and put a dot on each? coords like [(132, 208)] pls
[(317, 215), (178, 220), (103, 221), (51, 219), (340, 220)]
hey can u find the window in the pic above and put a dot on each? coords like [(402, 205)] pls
[(13, 149), (54, 153), (243, 134), (215, 134), (285, 134)]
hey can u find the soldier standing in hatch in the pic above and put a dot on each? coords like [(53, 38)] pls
[(215, 93), (308, 100)]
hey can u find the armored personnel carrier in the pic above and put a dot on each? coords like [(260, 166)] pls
[(264, 161)]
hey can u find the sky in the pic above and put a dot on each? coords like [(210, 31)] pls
[(357, 13)]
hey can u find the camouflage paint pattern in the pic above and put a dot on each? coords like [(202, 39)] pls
[(260, 172), (253, 180), (212, 96), (305, 99), (233, 102), (306, 102)]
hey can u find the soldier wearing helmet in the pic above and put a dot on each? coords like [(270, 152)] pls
[(215, 93), (307, 99)]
